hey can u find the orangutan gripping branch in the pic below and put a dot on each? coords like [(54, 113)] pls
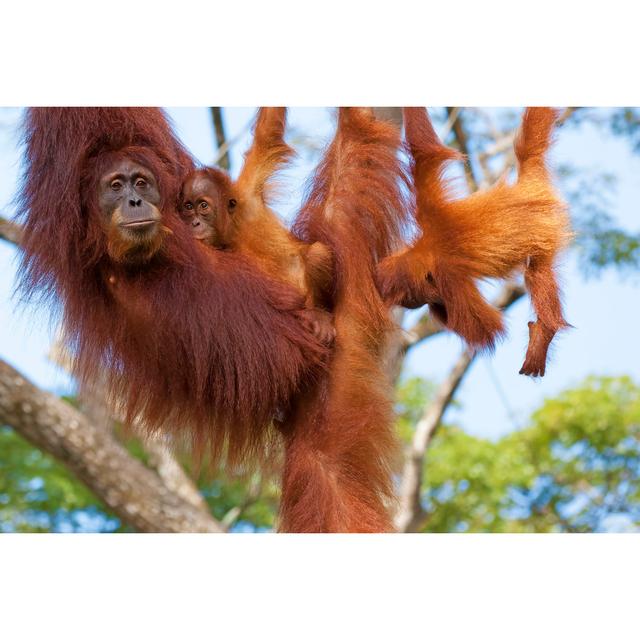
[(199, 340), (236, 216), (339, 439), (489, 234)]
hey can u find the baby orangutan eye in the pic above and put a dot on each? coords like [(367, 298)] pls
[(232, 203), (204, 205)]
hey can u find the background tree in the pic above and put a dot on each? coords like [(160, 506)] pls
[(574, 467)]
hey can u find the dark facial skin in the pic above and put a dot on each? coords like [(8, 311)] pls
[(206, 209), (129, 199)]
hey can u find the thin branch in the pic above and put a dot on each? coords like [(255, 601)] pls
[(236, 512), (223, 150), (568, 112), (462, 140), (488, 120), (499, 146), (452, 116), (223, 160), (10, 231), (411, 516)]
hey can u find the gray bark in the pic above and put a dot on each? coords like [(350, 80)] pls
[(133, 492)]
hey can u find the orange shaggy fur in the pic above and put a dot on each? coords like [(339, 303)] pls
[(340, 442), (490, 234), (253, 229)]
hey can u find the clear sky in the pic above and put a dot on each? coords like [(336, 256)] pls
[(493, 398)]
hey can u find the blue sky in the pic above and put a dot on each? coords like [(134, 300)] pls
[(493, 398)]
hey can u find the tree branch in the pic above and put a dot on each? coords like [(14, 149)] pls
[(452, 116), (172, 473), (505, 143), (223, 160), (253, 495), (135, 493), (461, 138), (411, 516), (10, 231), (95, 407)]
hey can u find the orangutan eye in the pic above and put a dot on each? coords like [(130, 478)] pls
[(204, 205), (140, 183), (188, 206), (232, 203), (116, 185)]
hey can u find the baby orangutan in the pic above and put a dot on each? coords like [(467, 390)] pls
[(236, 217), (490, 234)]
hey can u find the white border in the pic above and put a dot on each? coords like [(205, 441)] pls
[(268, 586), (190, 53), (329, 53)]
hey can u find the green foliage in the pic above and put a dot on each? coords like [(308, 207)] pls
[(625, 122), (257, 496), (412, 396), (600, 242), (576, 467), (39, 494), (612, 246)]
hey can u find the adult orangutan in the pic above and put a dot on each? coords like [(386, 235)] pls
[(201, 342)]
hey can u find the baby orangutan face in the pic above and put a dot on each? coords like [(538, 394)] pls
[(207, 205)]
